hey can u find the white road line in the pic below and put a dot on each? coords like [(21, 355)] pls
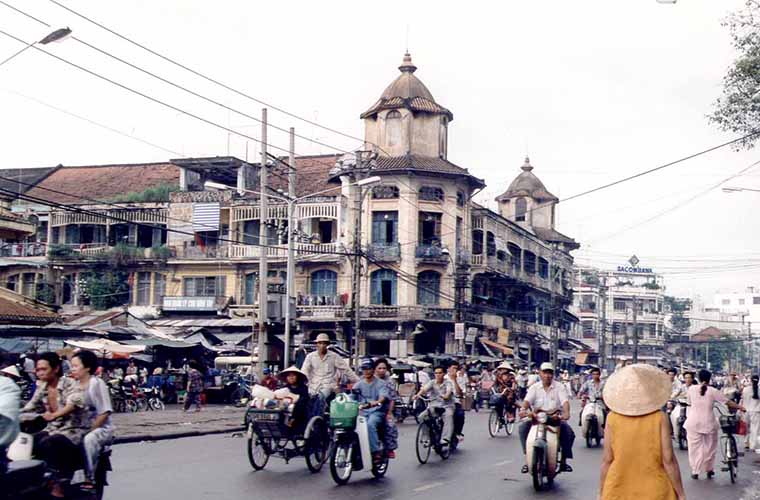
[(426, 487), (505, 462)]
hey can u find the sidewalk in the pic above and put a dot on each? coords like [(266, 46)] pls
[(173, 423)]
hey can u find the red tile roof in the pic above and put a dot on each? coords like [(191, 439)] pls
[(14, 312), (313, 175), (102, 182)]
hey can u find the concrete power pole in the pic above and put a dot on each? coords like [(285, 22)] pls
[(357, 277), (635, 330), (263, 241), (603, 333), (289, 275)]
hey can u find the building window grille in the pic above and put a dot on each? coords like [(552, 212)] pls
[(386, 192), (431, 193)]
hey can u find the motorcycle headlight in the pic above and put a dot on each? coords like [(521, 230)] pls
[(542, 418)]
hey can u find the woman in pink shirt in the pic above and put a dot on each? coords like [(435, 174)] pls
[(702, 426)]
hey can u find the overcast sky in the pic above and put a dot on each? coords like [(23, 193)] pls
[(593, 91)]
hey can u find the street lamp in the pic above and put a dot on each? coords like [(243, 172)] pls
[(54, 36), (291, 202)]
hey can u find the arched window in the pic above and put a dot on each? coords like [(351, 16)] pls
[(521, 209), (324, 283), (383, 287), (428, 288), (384, 192), (431, 193), (393, 128)]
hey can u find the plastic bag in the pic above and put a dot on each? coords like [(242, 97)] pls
[(259, 391)]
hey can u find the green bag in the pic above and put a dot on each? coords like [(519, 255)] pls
[(343, 412)]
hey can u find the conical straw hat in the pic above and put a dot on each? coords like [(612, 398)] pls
[(637, 390)]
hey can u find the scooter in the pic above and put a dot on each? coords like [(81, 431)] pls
[(350, 449), (22, 479), (593, 421), (677, 421), (542, 449)]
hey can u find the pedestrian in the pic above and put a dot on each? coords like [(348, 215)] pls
[(194, 386), (701, 425), (638, 461), (751, 401), (390, 438)]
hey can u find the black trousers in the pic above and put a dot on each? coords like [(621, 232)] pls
[(504, 404), (458, 419), (566, 438), (58, 452)]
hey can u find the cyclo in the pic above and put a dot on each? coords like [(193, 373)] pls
[(271, 431)]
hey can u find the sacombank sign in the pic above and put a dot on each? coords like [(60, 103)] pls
[(637, 270)]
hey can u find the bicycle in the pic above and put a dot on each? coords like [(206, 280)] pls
[(729, 424), (430, 433), (498, 422)]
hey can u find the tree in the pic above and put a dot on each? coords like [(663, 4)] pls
[(738, 109), (678, 307)]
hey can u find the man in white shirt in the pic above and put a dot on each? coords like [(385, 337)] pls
[(549, 396), (459, 383), (324, 368)]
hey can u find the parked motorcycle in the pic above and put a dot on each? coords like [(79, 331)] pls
[(350, 449), (153, 396), (542, 449), (593, 421)]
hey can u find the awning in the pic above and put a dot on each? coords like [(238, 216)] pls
[(175, 344), (581, 358), (106, 348), (15, 346), (504, 349)]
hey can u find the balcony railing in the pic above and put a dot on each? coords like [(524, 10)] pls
[(326, 311), (477, 260), (320, 300), (301, 251), (37, 249), (412, 313), (384, 252), (200, 252), (432, 254)]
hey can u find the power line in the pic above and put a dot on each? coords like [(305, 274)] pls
[(201, 75), (169, 82)]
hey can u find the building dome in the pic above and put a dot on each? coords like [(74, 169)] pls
[(527, 184), (407, 91)]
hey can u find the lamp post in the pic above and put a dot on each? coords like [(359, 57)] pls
[(54, 36), (291, 202)]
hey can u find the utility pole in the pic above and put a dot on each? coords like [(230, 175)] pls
[(356, 278), (635, 330), (603, 335), (263, 242), (291, 235)]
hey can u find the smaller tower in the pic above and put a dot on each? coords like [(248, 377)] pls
[(527, 201)]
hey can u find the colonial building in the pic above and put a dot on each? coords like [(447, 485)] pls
[(439, 273)]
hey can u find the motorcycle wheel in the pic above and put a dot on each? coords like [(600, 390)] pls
[(379, 469), (157, 404), (131, 405), (537, 469), (142, 404), (100, 480), (316, 446), (341, 463), (423, 443), (257, 452), (493, 424)]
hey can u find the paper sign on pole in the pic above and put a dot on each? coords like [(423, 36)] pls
[(458, 331)]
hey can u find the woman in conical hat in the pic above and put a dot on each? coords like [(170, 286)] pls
[(638, 460)]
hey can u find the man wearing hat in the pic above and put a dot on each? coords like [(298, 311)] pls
[(323, 368), (549, 396)]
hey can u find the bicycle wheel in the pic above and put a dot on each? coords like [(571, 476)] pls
[(317, 445), (258, 455), (493, 424), (510, 426), (732, 454), (423, 443)]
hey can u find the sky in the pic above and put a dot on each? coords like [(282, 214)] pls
[(593, 91)]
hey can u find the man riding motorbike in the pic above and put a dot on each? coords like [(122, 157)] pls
[(459, 383), (592, 389), (374, 396), (548, 396), (323, 368), (441, 394)]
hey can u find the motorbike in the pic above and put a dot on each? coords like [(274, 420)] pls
[(153, 397), (25, 478), (677, 421), (543, 450), (593, 421), (350, 450)]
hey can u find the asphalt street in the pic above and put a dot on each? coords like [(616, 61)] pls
[(216, 467)]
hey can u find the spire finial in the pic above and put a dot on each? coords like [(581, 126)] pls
[(407, 65), (527, 167)]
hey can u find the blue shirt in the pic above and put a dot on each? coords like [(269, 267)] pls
[(373, 391)]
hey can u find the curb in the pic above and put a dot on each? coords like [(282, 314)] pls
[(176, 435)]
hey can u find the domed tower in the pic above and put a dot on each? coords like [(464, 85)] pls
[(407, 120)]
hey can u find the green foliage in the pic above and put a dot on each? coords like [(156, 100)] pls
[(157, 193), (723, 354), (651, 285), (161, 252), (738, 108), (122, 255), (105, 289), (678, 307), (590, 277), (45, 293)]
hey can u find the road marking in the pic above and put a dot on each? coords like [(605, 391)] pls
[(505, 462), (427, 487)]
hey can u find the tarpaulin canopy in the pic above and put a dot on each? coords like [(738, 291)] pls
[(15, 346), (176, 344), (501, 347), (106, 347)]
